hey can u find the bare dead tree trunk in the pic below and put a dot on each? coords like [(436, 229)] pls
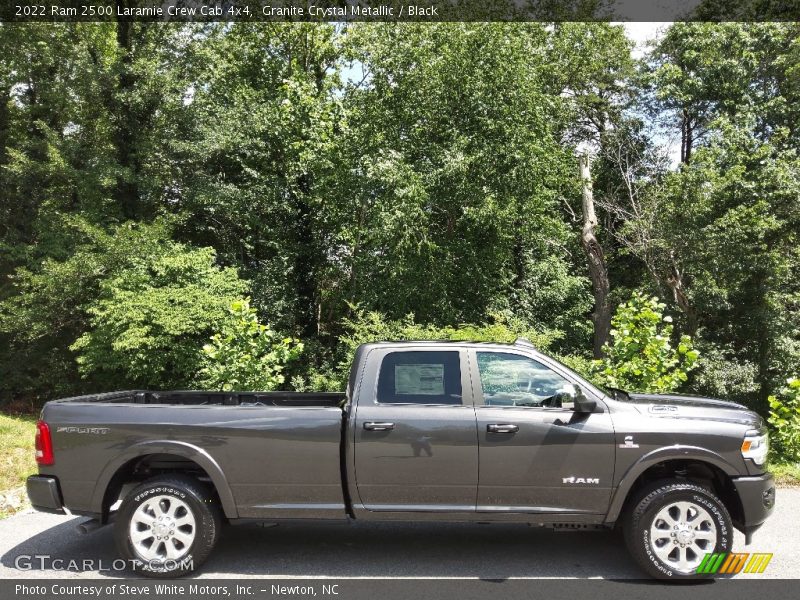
[(676, 284), (596, 261), (687, 136)]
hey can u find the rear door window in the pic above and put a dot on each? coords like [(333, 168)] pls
[(420, 377)]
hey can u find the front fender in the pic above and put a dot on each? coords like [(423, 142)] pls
[(654, 457), (182, 449)]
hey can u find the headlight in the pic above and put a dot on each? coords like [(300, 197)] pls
[(755, 446)]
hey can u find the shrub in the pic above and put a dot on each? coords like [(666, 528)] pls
[(245, 354), (641, 356), (151, 317), (124, 306), (784, 419)]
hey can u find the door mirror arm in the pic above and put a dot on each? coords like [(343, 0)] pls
[(582, 404)]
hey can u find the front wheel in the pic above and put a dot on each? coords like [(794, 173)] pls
[(673, 525), (167, 526)]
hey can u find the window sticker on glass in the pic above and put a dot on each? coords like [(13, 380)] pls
[(419, 380)]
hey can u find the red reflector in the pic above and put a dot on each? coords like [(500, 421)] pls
[(44, 444)]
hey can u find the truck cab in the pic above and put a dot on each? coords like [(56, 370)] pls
[(459, 429)]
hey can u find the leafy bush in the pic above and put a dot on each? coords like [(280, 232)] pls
[(149, 319), (784, 418), (129, 303), (641, 356), (245, 354)]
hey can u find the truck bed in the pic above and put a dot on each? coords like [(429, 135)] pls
[(277, 454), (201, 398)]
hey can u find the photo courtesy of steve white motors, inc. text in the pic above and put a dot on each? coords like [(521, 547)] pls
[(138, 590)]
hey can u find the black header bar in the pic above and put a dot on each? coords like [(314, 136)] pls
[(248, 11)]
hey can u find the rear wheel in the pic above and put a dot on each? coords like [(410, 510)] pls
[(167, 526), (672, 525)]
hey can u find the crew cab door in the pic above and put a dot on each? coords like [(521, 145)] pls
[(416, 446), (536, 454)]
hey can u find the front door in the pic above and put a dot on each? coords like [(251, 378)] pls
[(416, 446), (536, 454)]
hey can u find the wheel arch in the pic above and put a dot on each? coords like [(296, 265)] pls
[(694, 464), (119, 471)]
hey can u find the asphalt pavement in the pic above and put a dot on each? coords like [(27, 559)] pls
[(366, 550)]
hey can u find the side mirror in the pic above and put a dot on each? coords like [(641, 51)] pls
[(582, 404)]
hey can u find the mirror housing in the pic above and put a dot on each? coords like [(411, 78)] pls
[(582, 404)]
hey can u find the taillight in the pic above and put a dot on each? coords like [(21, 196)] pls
[(44, 444)]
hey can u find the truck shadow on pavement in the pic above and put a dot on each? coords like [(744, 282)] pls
[(340, 549)]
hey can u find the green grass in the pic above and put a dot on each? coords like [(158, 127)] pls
[(786, 474), (17, 459)]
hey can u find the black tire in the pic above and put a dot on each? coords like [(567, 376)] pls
[(190, 496), (646, 511)]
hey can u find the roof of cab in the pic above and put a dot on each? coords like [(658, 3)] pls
[(520, 341)]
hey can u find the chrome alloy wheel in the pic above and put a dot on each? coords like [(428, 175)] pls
[(162, 528), (682, 533)]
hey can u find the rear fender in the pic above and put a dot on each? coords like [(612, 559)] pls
[(182, 449)]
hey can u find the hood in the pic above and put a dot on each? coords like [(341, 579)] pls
[(694, 407)]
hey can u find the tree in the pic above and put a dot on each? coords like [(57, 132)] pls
[(255, 162), (149, 320), (61, 176), (458, 173), (424, 169), (731, 215), (784, 419), (594, 69), (596, 259)]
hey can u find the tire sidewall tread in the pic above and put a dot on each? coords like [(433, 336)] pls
[(208, 522), (653, 498)]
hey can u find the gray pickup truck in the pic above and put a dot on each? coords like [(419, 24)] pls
[(426, 431)]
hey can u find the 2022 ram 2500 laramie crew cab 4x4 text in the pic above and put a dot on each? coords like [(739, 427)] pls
[(426, 431)]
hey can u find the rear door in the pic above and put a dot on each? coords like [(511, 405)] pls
[(536, 454), (416, 446)]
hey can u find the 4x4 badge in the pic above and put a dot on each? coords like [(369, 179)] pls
[(629, 442)]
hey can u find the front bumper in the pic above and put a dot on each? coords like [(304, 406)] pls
[(757, 495), (45, 494)]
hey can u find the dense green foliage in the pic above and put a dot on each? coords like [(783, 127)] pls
[(641, 355), (128, 307), (147, 321), (346, 177), (246, 354), (365, 327), (785, 421)]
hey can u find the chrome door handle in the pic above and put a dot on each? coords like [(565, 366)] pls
[(502, 428), (372, 426)]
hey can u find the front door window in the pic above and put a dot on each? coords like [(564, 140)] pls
[(514, 380)]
